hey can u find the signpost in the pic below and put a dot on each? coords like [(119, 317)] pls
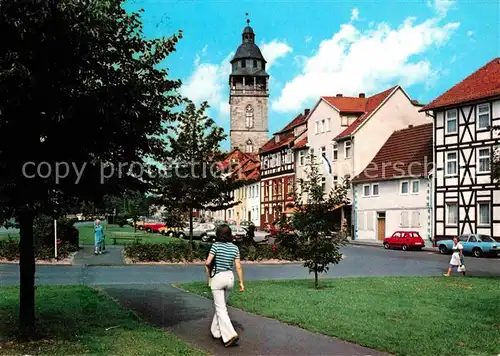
[(55, 238)]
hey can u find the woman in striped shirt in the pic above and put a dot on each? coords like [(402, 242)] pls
[(219, 266)]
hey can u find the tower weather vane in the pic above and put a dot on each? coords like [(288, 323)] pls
[(248, 20)]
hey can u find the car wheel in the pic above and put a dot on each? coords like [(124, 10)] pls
[(182, 235), (149, 229), (404, 247), (204, 238), (170, 234), (141, 227), (443, 250), (386, 246), (477, 252)]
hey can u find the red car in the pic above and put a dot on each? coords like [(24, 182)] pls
[(405, 240), (153, 226)]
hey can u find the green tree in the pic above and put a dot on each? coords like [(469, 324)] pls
[(495, 164), (81, 93), (318, 237), (194, 177)]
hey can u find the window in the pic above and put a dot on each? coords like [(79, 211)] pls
[(483, 116), (405, 188), (316, 127), (472, 239), (369, 220), (415, 187), (255, 63), (322, 126), (451, 163), (366, 190), (328, 121), (335, 181), (296, 131), (347, 149), (302, 155), (249, 117), (249, 146), (451, 121), (451, 214), (323, 151), (404, 219), (323, 184), (484, 160), (415, 219), (361, 220), (243, 64), (277, 138), (344, 121), (484, 213), (375, 190), (335, 151)]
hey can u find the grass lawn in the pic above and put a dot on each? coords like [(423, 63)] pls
[(403, 316), (87, 235), (78, 320)]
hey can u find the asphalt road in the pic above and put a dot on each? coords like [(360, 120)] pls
[(358, 261)]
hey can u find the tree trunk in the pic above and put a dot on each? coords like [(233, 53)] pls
[(135, 225), (27, 276), (316, 284), (190, 230)]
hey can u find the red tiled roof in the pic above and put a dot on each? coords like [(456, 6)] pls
[(286, 135), (407, 152), (299, 120), (346, 104), (483, 83), (370, 105), (301, 144)]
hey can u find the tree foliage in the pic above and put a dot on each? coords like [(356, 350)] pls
[(80, 92), (195, 178), (317, 237)]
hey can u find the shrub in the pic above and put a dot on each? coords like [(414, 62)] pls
[(9, 250), (179, 252), (43, 230)]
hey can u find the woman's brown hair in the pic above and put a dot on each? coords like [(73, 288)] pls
[(223, 233)]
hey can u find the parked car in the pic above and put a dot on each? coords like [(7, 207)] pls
[(199, 231), (169, 231), (239, 232), (405, 240), (475, 244), (152, 226)]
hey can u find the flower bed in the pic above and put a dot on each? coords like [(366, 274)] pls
[(178, 253)]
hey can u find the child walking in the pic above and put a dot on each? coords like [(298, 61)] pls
[(98, 237)]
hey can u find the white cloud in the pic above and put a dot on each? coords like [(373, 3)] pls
[(441, 6), (354, 15), (355, 61), (273, 51), (209, 81)]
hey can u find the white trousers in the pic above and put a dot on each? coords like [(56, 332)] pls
[(222, 284)]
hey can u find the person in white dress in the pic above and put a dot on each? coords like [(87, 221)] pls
[(456, 258)]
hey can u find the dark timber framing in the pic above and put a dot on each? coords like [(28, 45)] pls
[(468, 188)]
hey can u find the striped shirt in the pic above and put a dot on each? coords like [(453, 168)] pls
[(225, 253)]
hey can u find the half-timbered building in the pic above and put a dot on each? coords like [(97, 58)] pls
[(467, 199), (277, 170)]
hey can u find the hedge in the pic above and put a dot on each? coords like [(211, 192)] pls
[(179, 252), (9, 250)]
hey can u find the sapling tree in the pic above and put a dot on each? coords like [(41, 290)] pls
[(318, 236)]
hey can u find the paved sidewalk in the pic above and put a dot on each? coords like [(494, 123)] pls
[(373, 243), (189, 316), (112, 256)]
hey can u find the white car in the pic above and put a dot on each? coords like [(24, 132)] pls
[(239, 232), (200, 231)]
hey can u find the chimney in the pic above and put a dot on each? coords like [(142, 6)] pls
[(339, 95), (306, 112), (362, 95), (410, 126)]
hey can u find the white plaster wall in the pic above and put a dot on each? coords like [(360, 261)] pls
[(253, 202), (393, 203), (397, 113)]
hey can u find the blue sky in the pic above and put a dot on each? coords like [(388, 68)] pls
[(319, 48)]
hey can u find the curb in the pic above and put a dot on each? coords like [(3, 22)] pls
[(379, 245)]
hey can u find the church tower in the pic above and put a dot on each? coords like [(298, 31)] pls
[(248, 95)]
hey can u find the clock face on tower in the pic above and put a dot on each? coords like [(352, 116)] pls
[(249, 95)]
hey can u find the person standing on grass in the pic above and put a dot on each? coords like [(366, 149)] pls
[(219, 267), (457, 257), (98, 237)]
